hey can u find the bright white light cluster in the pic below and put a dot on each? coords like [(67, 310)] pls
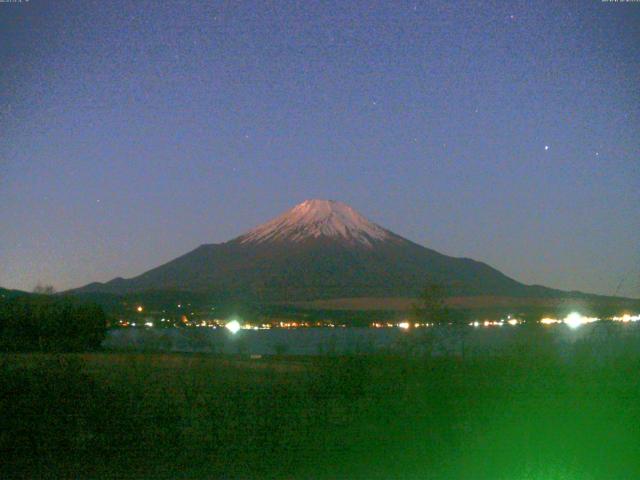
[(574, 320), (233, 326)]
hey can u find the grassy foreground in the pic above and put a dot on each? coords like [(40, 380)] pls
[(523, 416)]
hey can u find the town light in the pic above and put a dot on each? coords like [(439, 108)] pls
[(574, 320), (233, 326), (626, 318), (549, 321)]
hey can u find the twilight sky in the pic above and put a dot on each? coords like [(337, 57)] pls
[(508, 132)]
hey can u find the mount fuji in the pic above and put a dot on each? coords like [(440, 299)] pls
[(320, 249)]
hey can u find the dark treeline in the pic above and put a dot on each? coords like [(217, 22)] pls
[(50, 323)]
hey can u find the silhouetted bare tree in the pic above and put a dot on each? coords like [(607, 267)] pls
[(431, 306)]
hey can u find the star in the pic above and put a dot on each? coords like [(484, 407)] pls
[(546, 147)]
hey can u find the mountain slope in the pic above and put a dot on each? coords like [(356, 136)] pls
[(320, 249)]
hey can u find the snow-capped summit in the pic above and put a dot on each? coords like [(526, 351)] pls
[(315, 219)]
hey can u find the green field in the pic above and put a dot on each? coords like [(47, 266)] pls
[(521, 415)]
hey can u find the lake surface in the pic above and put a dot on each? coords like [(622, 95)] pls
[(602, 338)]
